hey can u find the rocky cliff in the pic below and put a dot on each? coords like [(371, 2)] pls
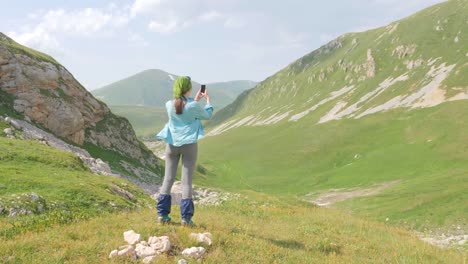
[(45, 93)]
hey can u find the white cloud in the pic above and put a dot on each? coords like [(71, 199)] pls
[(46, 26), (167, 17), (137, 40), (167, 27), (234, 22), (144, 6), (210, 16), (39, 39)]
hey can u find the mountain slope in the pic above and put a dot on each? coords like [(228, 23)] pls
[(154, 88), (41, 187), (420, 61), (380, 108), (35, 87)]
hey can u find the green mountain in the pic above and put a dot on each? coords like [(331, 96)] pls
[(378, 115), (141, 98), (154, 88)]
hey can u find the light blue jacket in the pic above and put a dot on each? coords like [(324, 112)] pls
[(185, 128)]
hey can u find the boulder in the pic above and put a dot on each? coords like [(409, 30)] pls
[(194, 252), (8, 131), (127, 251), (202, 237), (160, 244), (143, 251), (114, 253), (131, 237)]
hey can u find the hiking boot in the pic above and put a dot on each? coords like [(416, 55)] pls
[(164, 219), (185, 222)]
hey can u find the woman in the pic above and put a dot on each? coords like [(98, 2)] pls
[(181, 134)]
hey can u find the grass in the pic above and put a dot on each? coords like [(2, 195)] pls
[(425, 150), (68, 190), (258, 229)]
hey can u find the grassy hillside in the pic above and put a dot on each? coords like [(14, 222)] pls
[(343, 117), (254, 230), (153, 88), (146, 120), (381, 69), (55, 188), (425, 151)]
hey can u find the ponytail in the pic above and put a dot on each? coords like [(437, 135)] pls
[(179, 105)]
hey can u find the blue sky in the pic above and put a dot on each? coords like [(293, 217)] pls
[(211, 40)]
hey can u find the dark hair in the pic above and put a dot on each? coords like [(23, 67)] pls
[(179, 105)]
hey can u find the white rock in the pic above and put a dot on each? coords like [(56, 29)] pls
[(15, 124), (202, 237), (149, 259), (8, 131), (131, 237), (194, 252), (143, 251), (128, 251), (160, 244), (182, 261), (114, 253)]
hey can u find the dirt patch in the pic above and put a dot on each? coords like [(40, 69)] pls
[(332, 196)]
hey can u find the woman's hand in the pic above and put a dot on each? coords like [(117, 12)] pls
[(199, 95)]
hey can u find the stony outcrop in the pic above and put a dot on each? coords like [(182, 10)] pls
[(47, 94), (370, 64)]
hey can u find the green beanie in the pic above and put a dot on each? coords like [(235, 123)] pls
[(181, 86)]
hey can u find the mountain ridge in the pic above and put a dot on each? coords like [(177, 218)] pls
[(339, 76), (153, 87)]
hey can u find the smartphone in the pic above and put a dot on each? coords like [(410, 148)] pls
[(203, 88)]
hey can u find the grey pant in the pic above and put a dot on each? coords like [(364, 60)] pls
[(189, 154)]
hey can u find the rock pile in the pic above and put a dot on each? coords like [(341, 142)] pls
[(149, 251), (136, 248)]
